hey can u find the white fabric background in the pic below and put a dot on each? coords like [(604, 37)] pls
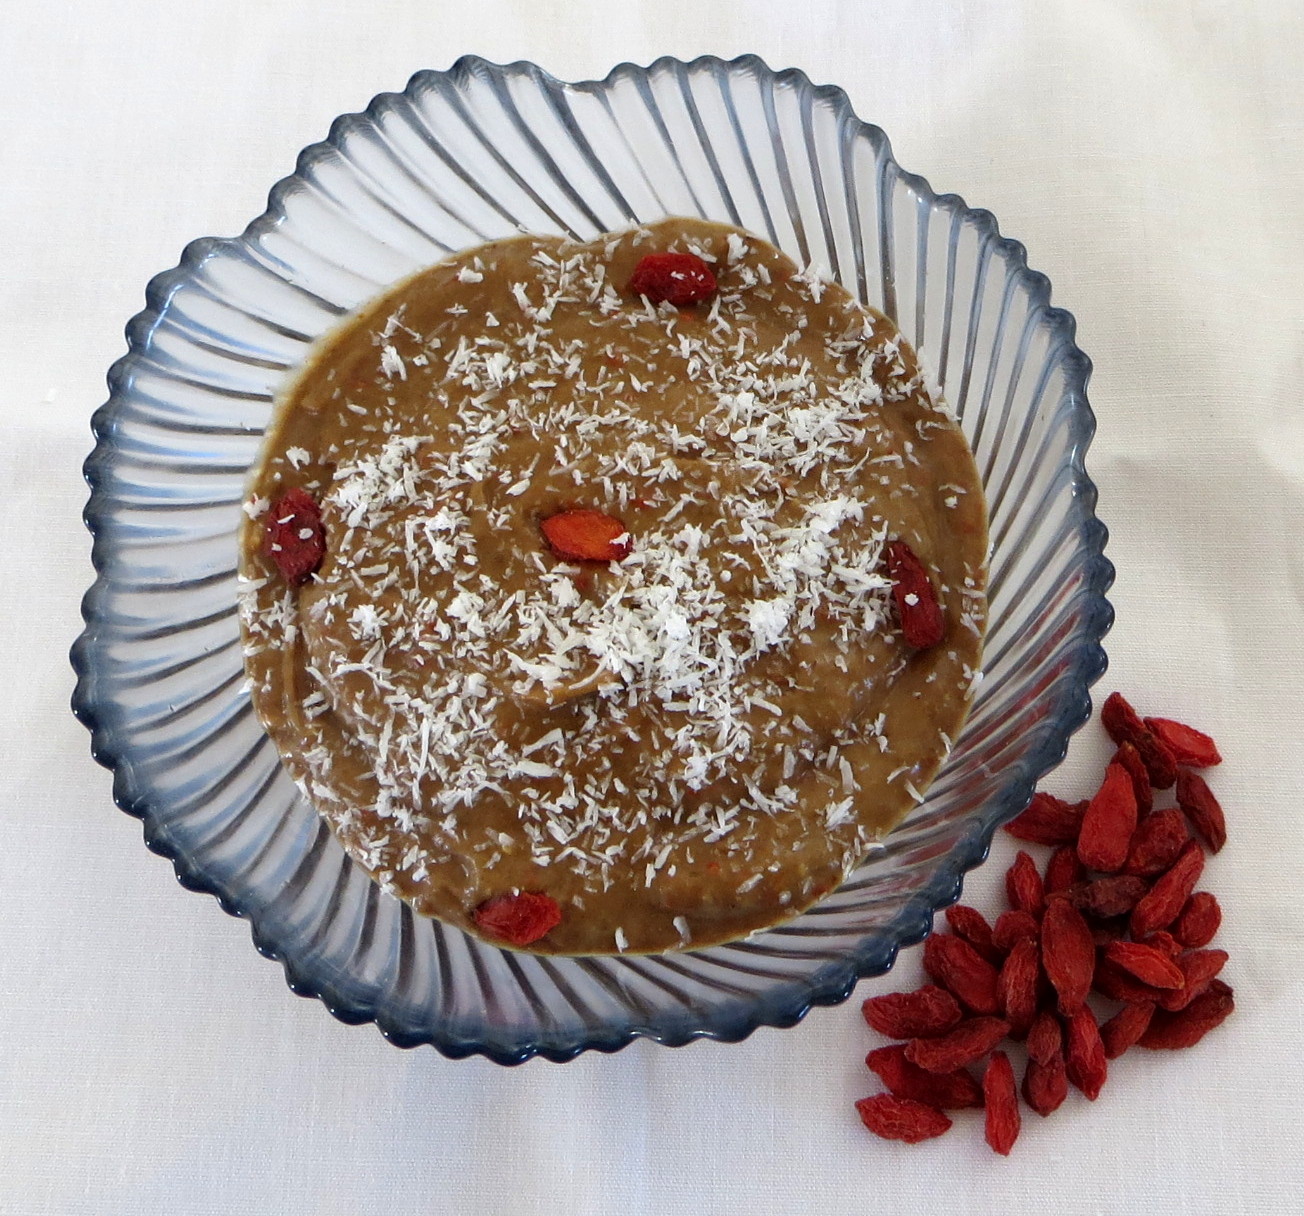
[(1151, 156)]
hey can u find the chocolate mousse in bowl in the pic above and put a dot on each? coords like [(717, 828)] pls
[(613, 597)]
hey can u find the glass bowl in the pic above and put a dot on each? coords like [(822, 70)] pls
[(464, 156)]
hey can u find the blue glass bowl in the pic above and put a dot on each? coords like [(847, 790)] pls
[(458, 158)]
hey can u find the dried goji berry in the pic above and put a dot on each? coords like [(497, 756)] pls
[(293, 536), (1203, 810), (947, 1091), (912, 1015), (1172, 1031), (519, 918), (1023, 886), (1125, 1028), (1105, 898), (1189, 746), (1198, 968), (680, 279), (922, 622), (969, 1041), (1165, 941), (1159, 761), (1018, 987), (580, 534), (1045, 1039), (1063, 870), (1084, 1056), (1121, 722), (896, 1118), (1068, 954), (970, 924), (1198, 920), (1159, 907), (1150, 965), (1128, 756), (1111, 930), (1046, 1084), (1157, 841), (1112, 981), (1012, 927), (1125, 726), (1110, 820), (1048, 820), (1002, 1102), (962, 971)]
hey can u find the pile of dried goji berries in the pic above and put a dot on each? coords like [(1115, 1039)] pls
[(1103, 949)]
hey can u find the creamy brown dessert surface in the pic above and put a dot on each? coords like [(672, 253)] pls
[(679, 747)]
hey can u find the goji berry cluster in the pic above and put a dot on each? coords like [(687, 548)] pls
[(1103, 949)]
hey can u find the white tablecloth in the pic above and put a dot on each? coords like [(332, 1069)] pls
[(1150, 155)]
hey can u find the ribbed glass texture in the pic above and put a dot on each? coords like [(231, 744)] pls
[(458, 158)]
